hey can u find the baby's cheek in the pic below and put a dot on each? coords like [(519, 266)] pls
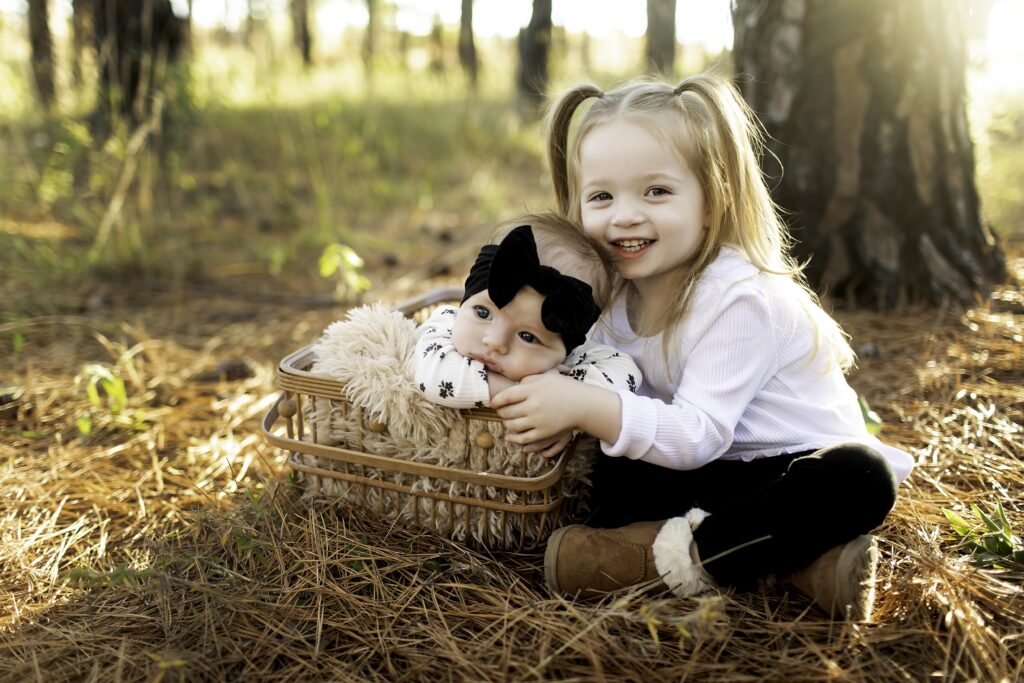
[(461, 335)]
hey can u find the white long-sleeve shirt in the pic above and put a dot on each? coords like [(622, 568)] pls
[(447, 377), (745, 379)]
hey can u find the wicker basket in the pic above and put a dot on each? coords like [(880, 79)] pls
[(479, 504)]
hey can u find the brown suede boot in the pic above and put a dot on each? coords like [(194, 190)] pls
[(842, 581), (590, 562)]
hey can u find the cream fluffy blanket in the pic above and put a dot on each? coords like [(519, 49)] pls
[(370, 353)]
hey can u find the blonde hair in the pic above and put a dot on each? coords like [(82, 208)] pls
[(562, 245), (707, 123)]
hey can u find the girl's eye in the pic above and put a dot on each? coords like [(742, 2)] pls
[(482, 312), (528, 338), (657, 191), (600, 197)]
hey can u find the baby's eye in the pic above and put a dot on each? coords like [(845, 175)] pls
[(529, 338), (658, 191), (599, 197), (482, 312)]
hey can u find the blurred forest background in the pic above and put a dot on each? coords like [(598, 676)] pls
[(241, 143), (192, 189)]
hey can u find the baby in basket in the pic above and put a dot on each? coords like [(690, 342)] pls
[(529, 301)]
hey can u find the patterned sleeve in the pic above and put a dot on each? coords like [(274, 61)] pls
[(604, 366), (442, 374)]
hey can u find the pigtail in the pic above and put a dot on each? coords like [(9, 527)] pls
[(559, 120)]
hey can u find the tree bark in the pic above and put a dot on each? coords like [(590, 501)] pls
[(534, 48), (301, 35), (661, 36), (467, 45), (864, 103), (42, 51)]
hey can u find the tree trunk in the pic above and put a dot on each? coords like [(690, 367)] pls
[(436, 43), (81, 36), (135, 41), (370, 39), (300, 31), (301, 35), (661, 35), (467, 45), (534, 47), (42, 50), (864, 103)]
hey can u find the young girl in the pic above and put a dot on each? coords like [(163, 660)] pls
[(745, 454), (529, 303)]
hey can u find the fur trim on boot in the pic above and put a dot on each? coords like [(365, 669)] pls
[(673, 558)]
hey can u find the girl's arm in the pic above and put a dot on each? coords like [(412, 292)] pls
[(733, 358), (443, 374), (722, 374)]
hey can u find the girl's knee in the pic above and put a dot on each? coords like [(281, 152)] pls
[(853, 471)]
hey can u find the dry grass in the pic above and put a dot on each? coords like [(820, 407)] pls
[(169, 543)]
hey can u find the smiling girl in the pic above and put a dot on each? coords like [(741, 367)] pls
[(745, 454)]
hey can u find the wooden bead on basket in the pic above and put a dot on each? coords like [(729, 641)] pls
[(287, 408), (485, 440)]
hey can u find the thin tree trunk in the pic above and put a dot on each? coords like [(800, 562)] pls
[(534, 49), (467, 44), (864, 103), (370, 39), (661, 35), (436, 44), (300, 30), (42, 51), (81, 36)]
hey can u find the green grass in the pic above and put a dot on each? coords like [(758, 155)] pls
[(260, 175)]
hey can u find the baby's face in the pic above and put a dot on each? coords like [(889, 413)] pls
[(511, 341)]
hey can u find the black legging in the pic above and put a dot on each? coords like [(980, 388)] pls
[(805, 503)]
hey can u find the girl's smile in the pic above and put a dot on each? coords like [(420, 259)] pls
[(630, 249)]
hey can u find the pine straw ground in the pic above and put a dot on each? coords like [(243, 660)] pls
[(170, 543)]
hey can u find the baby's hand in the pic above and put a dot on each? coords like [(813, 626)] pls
[(497, 383)]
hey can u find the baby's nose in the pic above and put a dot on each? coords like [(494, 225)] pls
[(496, 343)]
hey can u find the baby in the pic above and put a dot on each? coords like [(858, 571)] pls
[(529, 302)]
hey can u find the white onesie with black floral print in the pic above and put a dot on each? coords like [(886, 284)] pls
[(447, 377)]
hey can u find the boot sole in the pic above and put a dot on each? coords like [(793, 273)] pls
[(551, 557), (858, 560)]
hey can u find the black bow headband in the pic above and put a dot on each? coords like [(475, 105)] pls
[(503, 269)]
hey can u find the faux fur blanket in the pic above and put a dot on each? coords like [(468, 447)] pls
[(370, 353)]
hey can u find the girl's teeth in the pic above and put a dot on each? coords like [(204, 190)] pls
[(632, 245)]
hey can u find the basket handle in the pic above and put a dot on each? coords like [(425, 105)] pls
[(435, 296)]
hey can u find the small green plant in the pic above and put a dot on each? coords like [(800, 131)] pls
[(341, 262), (871, 419), (103, 389), (992, 541)]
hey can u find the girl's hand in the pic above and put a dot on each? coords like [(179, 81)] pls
[(543, 406), (537, 408), (549, 448)]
